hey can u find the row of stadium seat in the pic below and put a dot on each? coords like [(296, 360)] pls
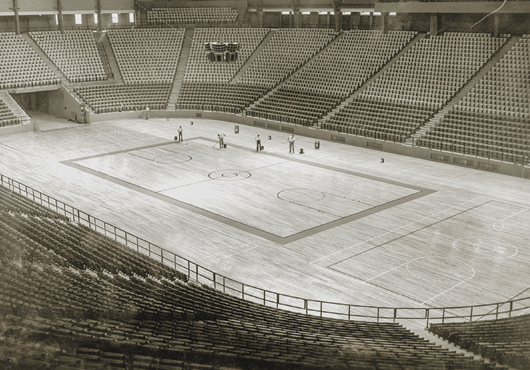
[(498, 101), (20, 66), (75, 53), (506, 341), (331, 76), (419, 87), (109, 307), (191, 15), (124, 97), (199, 69), (147, 55)]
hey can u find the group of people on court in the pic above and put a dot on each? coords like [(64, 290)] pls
[(220, 137)]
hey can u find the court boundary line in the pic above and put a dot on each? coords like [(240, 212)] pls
[(420, 192)]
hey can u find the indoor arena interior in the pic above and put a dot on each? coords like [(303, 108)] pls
[(264, 184)]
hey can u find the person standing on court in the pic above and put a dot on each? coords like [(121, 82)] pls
[(180, 134), (221, 140), (258, 143), (146, 112), (291, 139)]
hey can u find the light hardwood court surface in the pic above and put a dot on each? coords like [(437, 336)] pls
[(332, 224)]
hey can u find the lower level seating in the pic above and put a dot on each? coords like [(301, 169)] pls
[(78, 301), (299, 107), (118, 98), (223, 97), (506, 341)]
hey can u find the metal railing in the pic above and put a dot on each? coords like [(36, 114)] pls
[(203, 275)]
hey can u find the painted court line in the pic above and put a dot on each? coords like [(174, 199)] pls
[(393, 231), (420, 192)]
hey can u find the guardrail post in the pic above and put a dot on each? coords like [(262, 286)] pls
[(277, 300), (243, 291), (349, 312), (224, 284), (161, 255), (497, 312), (443, 315), (395, 314), (511, 309), (427, 314), (214, 282), (320, 308), (471, 314), (264, 297)]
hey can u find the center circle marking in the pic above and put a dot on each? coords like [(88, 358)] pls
[(229, 175)]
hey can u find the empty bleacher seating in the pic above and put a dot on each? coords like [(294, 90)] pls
[(124, 97), (506, 341), (200, 69), (223, 97), (147, 55), (493, 119), (331, 76), (20, 66), (286, 51), (11, 114), (80, 300), (191, 15), (417, 85), (75, 53)]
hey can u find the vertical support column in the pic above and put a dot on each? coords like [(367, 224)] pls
[(328, 20), (433, 28), (338, 20), (496, 25), (384, 23), (60, 15), (297, 18), (260, 17), (17, 20), (355, 20), (98, 12), (371, 22)]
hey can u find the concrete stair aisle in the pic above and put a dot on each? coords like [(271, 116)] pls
[(109, 60), (181, 69), (357, 92), (417, 328), (463, 92), (14, 107), (274, 89), (253, 56), (46, 60)]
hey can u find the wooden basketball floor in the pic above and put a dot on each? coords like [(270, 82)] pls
[(332, 224)]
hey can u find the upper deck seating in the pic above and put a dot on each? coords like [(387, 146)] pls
[(20, 66), (331, 76), (75, 53), (493, 119), (200, 69), (286, 51), (417, 85), (191, 15), (147, 55), (102, 305), (506, 341)]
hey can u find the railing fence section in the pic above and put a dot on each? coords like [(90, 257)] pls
[(203, 275)]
